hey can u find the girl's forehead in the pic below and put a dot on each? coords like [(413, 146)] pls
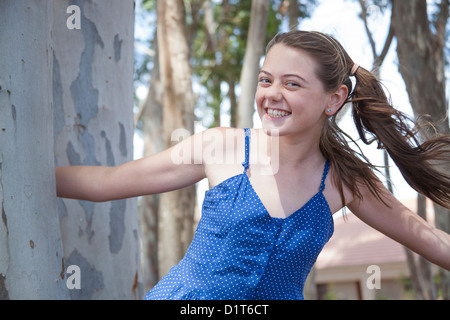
[(280, 52), (285, 59)]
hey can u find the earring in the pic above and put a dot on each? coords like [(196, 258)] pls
[(329, 110)]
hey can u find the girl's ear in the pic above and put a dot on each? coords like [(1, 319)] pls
[(337, 100)]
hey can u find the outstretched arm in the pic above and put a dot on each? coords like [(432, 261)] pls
[(403, 226), (154, 174)]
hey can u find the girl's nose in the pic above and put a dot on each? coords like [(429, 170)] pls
[(273, 93)]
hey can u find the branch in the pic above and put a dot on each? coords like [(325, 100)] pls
[(441, 22), (210, 26), (387, 45), (366, 25), (377, 59)]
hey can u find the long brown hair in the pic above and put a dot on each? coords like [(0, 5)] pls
[(376, 120)]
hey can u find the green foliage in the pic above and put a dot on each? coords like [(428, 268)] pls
[(149, 5)]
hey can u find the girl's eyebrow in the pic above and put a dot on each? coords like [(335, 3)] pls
[(286, 75)]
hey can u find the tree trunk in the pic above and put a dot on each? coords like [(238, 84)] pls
[(176, 209), (233, 103), (253, 54), (421, 57), (421, 63), (31, 252), (93, 125), (152, 116), (425, 267)]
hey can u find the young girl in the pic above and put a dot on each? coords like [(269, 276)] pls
[(260, 234)]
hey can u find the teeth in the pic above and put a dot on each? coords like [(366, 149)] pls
[(277, 113)]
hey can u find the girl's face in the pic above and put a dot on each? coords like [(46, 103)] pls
[(289, 96)]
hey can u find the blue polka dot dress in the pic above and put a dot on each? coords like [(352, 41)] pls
[(240, 252)]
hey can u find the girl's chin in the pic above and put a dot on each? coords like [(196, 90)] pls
[(271, 130), (273, 123)]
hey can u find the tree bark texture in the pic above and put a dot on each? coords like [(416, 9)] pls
[(176, 208), (421, 63), (421, 59), (90, 70), (93, 125), (152, 128), (31, 251)]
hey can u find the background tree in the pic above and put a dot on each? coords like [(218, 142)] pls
[(422, 281), (150, 116), (148, 120), (253, 53), (421, 38), (218, 51), (176, 208)]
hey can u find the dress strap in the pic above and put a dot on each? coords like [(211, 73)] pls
[(247, 149), (325, 173)]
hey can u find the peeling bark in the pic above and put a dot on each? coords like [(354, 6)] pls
[(84, 78), (30, 240), (93, 124)]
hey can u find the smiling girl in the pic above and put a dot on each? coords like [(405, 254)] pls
[(260, 234)]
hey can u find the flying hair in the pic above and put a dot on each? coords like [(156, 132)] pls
[(376, 120)]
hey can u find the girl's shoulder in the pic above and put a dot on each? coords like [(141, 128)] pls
[(223, 139), (223, 152)]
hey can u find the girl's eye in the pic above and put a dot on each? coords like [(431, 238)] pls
[(264, 80), (292, 84)]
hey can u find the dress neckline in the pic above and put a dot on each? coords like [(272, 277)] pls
[(318, 194)]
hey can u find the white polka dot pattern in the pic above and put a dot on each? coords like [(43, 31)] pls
[(240, 252)]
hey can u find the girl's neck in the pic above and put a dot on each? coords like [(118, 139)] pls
[(295, 152)]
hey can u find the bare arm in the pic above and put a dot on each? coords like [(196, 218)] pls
[(403, 226), (155, 174)]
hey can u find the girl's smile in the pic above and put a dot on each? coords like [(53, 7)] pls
[(276, 113)]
